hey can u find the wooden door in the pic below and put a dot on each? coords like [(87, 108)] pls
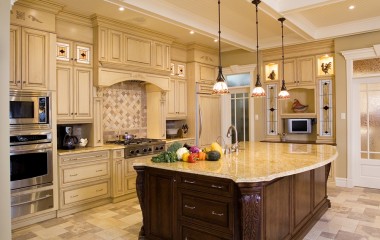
[(15, 57), (118, 177), (83, 93), (35, 55), (170, 99), (64, 93), (160, 221), (305, 66), (181, 97)]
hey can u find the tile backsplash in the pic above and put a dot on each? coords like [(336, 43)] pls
[(124, 109)]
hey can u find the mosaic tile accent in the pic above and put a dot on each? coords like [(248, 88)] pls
[(124, 109), (367, 66)]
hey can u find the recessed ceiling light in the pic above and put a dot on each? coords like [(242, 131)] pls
[(215, 40), (121, 9), (351, 7), (192, 32)]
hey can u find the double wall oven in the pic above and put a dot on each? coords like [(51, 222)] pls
[(31, 153)]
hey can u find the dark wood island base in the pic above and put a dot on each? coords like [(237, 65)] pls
[(179, 205)]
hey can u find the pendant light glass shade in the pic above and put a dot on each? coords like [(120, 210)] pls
[(284, 94), (258, 91), (220, 87)]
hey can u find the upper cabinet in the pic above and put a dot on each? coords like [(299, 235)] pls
[(202, 73), (29, 58), (74, 53), (176, 97), (117, 46)]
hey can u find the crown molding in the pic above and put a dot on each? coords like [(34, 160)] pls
[(43, 5)]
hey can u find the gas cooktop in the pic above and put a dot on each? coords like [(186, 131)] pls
[(141, 146)]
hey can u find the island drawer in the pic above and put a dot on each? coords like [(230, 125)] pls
[(189, 233), (206, 184), (214, 212)]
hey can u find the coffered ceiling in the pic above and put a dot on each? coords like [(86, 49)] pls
[(307, 20)]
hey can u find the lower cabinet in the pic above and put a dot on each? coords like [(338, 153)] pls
[(178, 205), (84, 181), (123, 176)]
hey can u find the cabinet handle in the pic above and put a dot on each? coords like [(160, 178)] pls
[(18, 81), (189, 207), (24, 82), (72, 113), (216, 186), (98, 141), (74, 196), (174, 180), (99, 190), (74, 175), (76, 113), (100, 170), (187, 181), (217, 214)]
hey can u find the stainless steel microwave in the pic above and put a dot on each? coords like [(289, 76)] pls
[(29, 110)]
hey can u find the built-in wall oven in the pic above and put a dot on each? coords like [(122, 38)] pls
[(31, 162)]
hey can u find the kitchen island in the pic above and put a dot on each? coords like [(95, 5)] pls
[(264, 191)]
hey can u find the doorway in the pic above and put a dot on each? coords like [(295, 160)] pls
[(366, 129)]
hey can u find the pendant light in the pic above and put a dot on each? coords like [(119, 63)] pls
[(258, 91), (220, 87), (284, 94)]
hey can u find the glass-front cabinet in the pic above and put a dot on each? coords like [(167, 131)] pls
[(271, 110), (325, 110)]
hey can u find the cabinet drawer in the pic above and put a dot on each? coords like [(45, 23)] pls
[(118, 153), (188, 233), (83, 157), (209, 211), (206, 184), (85, 172), (89, 193)]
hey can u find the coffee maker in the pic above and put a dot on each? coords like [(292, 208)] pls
[(66, 139)]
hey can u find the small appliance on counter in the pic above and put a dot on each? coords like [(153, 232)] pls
[(66, 139)]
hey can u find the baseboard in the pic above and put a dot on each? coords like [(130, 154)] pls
[(343, 182)]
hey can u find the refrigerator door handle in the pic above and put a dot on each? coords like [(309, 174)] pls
[(200, 121)]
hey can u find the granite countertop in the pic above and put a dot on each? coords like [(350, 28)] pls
[(257, 161), (178, 139), (89, 149)]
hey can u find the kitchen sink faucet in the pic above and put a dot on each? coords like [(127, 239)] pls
[(235, 146)]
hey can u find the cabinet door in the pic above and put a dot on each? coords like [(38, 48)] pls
[(15, 57), (181, 97), (170, 99), (290, 75), (207, 74), (118, 177), (82, 54), (35, 55), (83, 93), (98, 121), (138, 51), (115, 46), (101, 43), (161, 221), (209, 121), (306, 73), (64, 94)]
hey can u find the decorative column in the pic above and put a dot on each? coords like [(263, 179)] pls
[(251, 210)]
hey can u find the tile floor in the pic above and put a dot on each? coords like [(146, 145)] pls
[(354, 215)]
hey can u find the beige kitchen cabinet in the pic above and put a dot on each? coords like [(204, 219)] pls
[(176, 99), (178, 69), (97, 131), (300, 71), (74, 95), (74, 53), (115, 46), (123, 176), (29, 58), (161, 56), (202, 73), (325, 125), (84, 181)]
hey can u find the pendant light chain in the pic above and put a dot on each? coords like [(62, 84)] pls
[(284, 94), (258, 91), (220, 87)]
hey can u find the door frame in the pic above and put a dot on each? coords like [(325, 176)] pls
[(226, 99), (351, 56)]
